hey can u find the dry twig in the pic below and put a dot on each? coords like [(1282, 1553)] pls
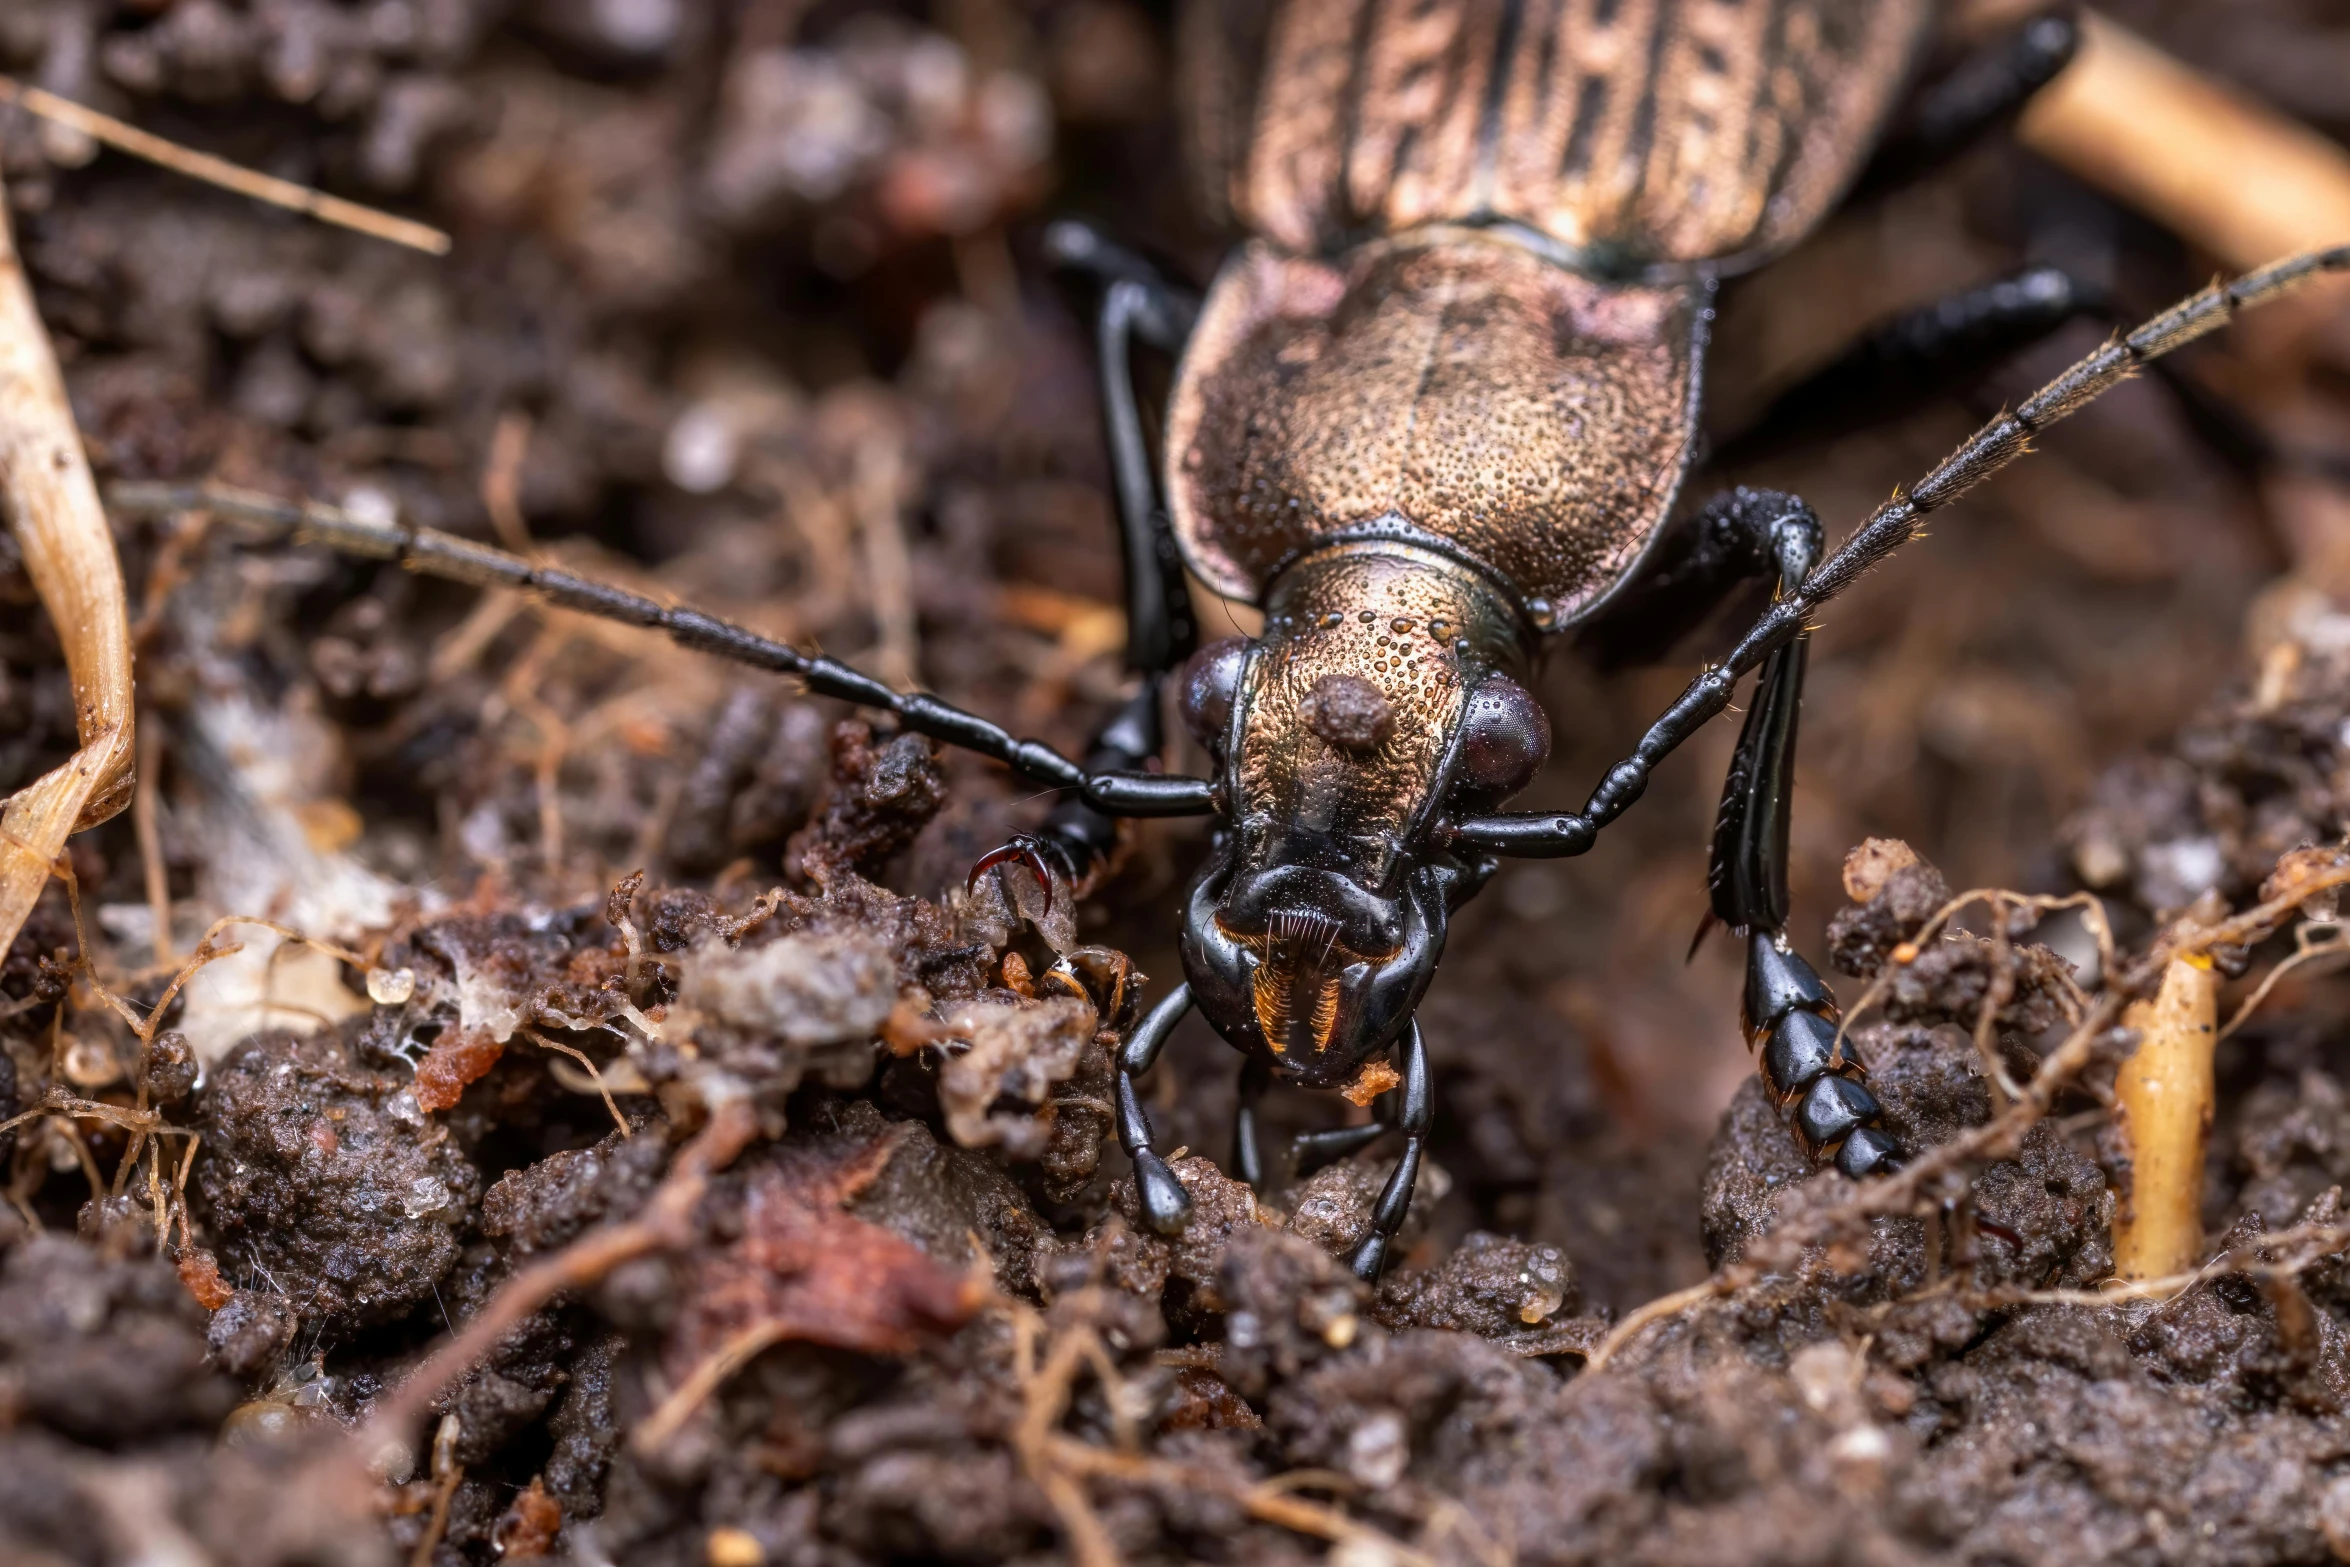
[(2166, 1093), (2231, 175), (219, 171), (1059, 1464)]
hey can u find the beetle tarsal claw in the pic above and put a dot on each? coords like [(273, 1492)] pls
[(1166, 1206), (1024, 850)]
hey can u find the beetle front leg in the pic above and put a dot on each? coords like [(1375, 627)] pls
[(1166, 1206), (1135, 305), (1248, 1158), (1787, 1009), (1415, 1114)]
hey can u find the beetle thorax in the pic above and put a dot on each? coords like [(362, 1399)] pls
[(1352, 701)]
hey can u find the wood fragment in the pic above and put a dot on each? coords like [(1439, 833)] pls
[(2229, 174), (51, 505), (125, 137), (2166, 1093)]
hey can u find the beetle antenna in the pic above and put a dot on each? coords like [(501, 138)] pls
[(431, 552)]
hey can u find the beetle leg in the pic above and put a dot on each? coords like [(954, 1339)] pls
[(1975, 98), (1910, 358), (1415, 1114), (1311, 1151), (1248, 1160), (1166, 1206), (1786, 1009), (1161, 629)]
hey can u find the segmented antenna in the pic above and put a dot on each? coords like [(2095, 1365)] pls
[(431, 552)]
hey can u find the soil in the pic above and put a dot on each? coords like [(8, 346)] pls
[(648, 1017)]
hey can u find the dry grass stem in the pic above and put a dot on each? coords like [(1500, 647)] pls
[(447, 1475), (124, 137), (2312, 942), (889, 569), (2166, 1093), (1058, 1464), (151, 867), (51, 505), (705, 1379), (1639, 1317)]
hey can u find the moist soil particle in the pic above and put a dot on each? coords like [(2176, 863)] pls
[(663, 1034)]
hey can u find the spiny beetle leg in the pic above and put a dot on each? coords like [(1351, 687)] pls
[(1161, 629), (1786, 1008)]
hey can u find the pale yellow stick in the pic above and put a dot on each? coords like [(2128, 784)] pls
[(124, 137), (2230, 175), (2165, 1093), (51, 505)]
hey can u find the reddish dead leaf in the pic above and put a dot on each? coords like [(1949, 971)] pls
[(460, 1056), (804, 1269), (200, 1272)]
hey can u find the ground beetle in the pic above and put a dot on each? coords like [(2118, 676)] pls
[(1434, 410)]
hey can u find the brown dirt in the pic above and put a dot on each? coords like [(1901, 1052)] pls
[(751, 290)]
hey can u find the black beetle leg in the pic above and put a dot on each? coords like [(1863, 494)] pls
[(1248, 1159), (1416, 1112), (1311, 1151), (1969, 102), (1161, 630), (1787, 1009), (1166, 1206)]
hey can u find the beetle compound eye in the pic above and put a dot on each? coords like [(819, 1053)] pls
[(1210, 681), (1505, 737)]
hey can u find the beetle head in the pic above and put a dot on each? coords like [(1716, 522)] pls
[(1383, 695)]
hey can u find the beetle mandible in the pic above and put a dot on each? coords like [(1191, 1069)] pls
[(1436, 408)]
